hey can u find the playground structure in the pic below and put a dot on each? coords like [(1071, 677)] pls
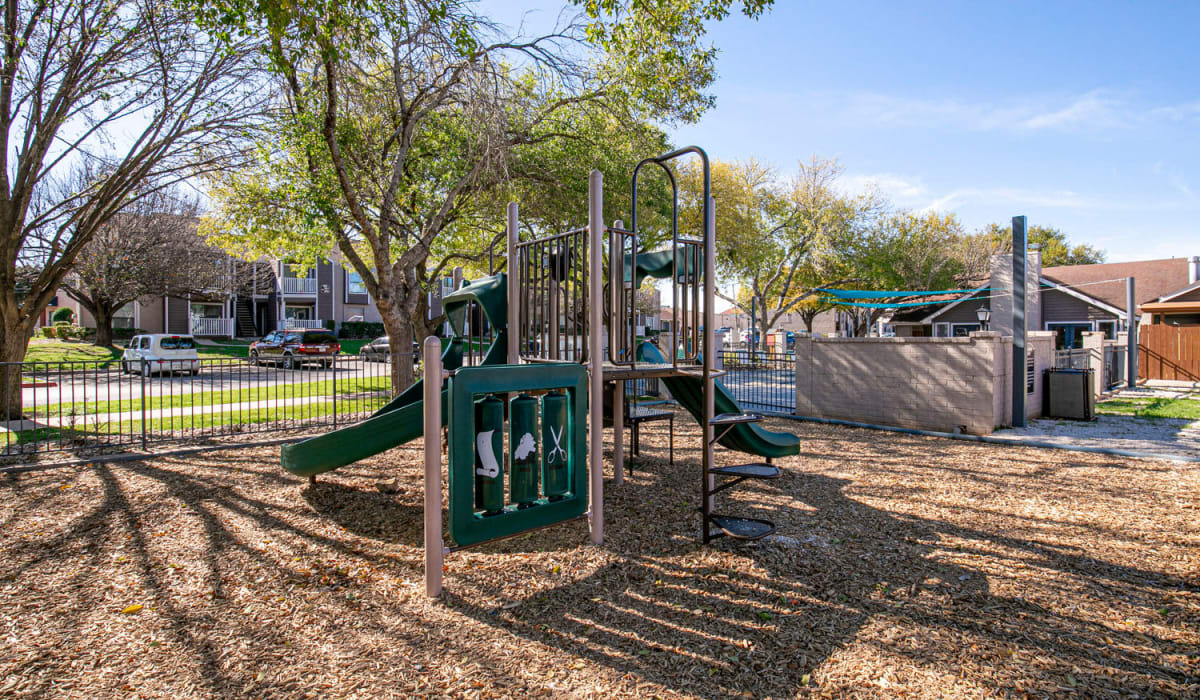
[(561, 337)]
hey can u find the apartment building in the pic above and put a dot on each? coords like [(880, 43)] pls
[(256, 298)]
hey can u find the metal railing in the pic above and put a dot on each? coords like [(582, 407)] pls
[(552, 317), (760, 381), (222, 327), (1072, 358), (286, 323), (1114, 365), (86, 408), (298, 285)]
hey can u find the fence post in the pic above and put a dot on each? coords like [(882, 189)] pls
[(142, 376), (333, 369)]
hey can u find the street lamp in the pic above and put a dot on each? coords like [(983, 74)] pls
[(984, 314)]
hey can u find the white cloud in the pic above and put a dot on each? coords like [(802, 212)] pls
[(1061, 199), (897, 188), (1093, 110)]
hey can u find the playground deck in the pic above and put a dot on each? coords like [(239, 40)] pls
[(904, 566)]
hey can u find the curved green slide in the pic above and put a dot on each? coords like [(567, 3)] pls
[(402, 418), (743, 437), (659, 264)]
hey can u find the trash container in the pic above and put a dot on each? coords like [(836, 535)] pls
[(1067, 393)]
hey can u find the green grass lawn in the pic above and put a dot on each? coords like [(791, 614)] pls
[(352, 410), (242, 350), (1151, 408), (274, 392), (52, 350)]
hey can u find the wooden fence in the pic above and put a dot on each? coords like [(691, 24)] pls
[(1169, 352)]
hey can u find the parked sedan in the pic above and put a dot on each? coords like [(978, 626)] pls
[(295, 347), (378, 351), (156, 353)]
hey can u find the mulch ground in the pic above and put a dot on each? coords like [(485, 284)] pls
[(904, 567)]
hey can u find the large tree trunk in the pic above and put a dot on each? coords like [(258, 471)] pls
[(14, 341), (104, 330), (398, 324)]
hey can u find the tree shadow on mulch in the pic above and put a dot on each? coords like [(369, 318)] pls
[(704, 622), (392, 518), (123, 519)]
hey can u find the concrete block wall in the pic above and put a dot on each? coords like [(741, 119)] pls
[(1041, 344), (941, 384)]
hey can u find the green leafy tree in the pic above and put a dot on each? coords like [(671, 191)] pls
[(97, 99), (398, 117), (1056, 249), (779, 240), (911, 251)]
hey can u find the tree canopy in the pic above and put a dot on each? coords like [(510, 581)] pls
[(1056, 249), (400, 121)]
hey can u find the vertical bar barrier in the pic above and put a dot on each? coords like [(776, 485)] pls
[(333, 372), (710, 275), (596, 357), (1131, 341), (142, 377), (616, 338), (514, 331), (434, 551)]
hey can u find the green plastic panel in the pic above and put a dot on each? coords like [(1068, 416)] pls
[(468, 526)]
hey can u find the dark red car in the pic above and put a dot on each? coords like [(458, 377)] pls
[(294, 347)]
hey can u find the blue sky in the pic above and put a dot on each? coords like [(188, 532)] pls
[(1082, 116)]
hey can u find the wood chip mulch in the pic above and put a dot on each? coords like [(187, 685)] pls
[(903, 567)]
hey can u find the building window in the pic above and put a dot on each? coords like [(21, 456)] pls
[(297, 313), (123, 317), (290, 271), (1108, 328), (1069, 334), (355, 284), (962, 330), (206, 311)]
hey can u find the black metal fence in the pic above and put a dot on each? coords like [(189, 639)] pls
[(93, 406), (760, 381), (1114, 365)]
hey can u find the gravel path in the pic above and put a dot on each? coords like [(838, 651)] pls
[(905, 566), (1162, 436)]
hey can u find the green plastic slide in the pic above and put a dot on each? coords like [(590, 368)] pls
[(658, 264), (402, 418), (743, 437)]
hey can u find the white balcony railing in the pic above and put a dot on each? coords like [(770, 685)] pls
[(301, 323), (212, 326), (298, 285)]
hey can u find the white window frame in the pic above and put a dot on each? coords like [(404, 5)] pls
[(351, 275), (1116, 326), (974, 326), (309, 310), (1050, 325), (941, 329)]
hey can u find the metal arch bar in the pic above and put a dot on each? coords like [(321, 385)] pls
[(706, 216)]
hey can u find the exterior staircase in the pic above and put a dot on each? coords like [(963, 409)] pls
[(244, 319), (731, 526)]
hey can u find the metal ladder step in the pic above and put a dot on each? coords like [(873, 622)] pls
[(734, 418), (754, 470), (741, 528)]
